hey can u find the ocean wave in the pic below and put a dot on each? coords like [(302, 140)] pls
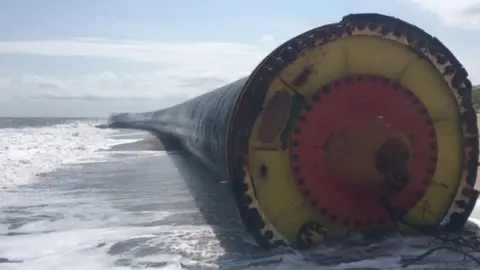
[(28, 151)]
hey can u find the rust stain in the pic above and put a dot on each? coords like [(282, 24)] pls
[(263, 173), (276, 113), (302, 77)]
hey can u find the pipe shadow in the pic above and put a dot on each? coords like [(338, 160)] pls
[(216, 203)]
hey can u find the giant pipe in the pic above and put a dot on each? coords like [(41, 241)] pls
[(332, 126)]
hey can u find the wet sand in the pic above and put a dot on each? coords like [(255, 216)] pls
[(148, 144)]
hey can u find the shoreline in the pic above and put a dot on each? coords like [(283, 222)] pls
[(148, 144)]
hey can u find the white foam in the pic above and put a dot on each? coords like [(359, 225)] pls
[(26, 152), (87, 249)]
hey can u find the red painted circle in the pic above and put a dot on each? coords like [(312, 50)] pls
[(347, 105)]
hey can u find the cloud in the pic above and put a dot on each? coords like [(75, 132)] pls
[(4, 82), (184, 70), (267, 39), (84, 97), (198, 54), (460, 13), (166, 84)]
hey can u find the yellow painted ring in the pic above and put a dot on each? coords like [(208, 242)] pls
[(351, 50)]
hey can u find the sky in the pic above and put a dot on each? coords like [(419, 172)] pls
[(95, 57)]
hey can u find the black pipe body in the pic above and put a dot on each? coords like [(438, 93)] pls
[(199, 125)]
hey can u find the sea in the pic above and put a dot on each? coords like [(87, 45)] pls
[(75, 197)]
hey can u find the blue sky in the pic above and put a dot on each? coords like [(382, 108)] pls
[(91, 58)]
